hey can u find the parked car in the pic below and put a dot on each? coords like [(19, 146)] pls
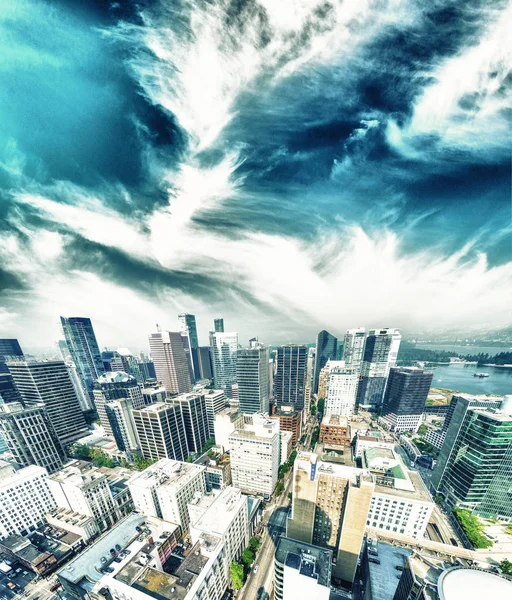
[(256, 567)]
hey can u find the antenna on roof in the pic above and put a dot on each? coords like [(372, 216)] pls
[(158, 327)]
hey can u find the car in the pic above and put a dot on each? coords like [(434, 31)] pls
[(11, 585), (118, 559), (103, 559), (256, 567), (108, 570)]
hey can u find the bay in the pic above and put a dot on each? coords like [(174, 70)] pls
[(461, 378)]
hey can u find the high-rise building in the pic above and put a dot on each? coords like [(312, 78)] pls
[(84, 350), (310, 368), (404, 400), (171, 363), (290, 378), (330, 505), (326, 348), (218, 325), (161, 431), (255, 455), (9, 348), (224, 347), (153, 393), (88, 490), (252, 379), (301, 571), (49, 383), (225, 422), (114, 385), (30, 436), (380, 354), (165, 488), (353, 347), (190, 356), (204, 362), (81, 394), (8, 390), (188, 324), (215, 402), (24, 500), (119, 414), (289, 420), (341, 391), (124, 360), (324, 376), (474, 469), (195, 418)]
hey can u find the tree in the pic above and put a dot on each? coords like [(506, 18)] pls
[(254, 543), (321, 405), (247, 557), (100, 459), (509, 529), (81, 451), (422, 429), (312, 409), (292, 458), (140, 463), (472, 527), (506, 567), (209, 444), (283, 469), (236, 574), (279, 488), (290, 496)]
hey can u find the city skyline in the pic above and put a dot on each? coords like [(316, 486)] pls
[(192, 166)]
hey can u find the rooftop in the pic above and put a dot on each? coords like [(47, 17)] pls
[(301, 556), (334, 421), (386, 564), (116, 377), (415, 491), (166, 472), (221, 511), (472, 584)]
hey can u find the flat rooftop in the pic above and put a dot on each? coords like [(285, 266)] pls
[(167, 472), (290, 552), (221, 511), (385, 574), (418, 491), (472, 584), (334, 421)]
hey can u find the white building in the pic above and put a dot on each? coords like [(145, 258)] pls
[(25, 498), (255, 455), (165, 488), (353, 347), (88, 490), (119, 413), (170, 360), (341, 394), (215, 402), (73, 522), (223, 347), (225, 422), (286, 445)]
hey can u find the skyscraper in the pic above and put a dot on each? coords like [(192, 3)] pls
[(49, 383), (195, 418), (224, 346), (474, 466), (326, 348), (8, 347), (218, 325), (119, 414), (161, 431), (341, 391), (171, 364), (84, 350), (114, 385), (380, 354), (290, 378), (30, 436), (188, 323), (353, 347), (404, 401), (8, 390), (204, 362), (252, 378)]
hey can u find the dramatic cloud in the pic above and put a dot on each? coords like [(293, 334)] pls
[(289, 165)]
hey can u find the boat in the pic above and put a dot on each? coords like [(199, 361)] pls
[(481, 375)]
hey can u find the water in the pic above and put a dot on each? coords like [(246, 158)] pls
[(462, 349), (460, 378)]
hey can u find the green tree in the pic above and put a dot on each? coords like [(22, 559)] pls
[(509, 529), (321, 404), (140, 463), (209, 444), (422, 429), (254, 543), (100, 459), (292, 458), (290, 496), (81, 451), (247, 557), (283, 469), (438, 499), (236, 574), (312, 409), (506, 567), (279, 488), (472, 527)]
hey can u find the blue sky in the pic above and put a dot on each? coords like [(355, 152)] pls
[(292, 166)]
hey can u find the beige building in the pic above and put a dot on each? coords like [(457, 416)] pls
[(170, 360)]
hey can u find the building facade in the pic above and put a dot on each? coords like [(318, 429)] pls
[(326, 349), (353, 347), (114, 385), (341, 391), (215, 402), (188, 324), (290, 377), (252, 379), (224, 347), (195, 419), (170, 360)]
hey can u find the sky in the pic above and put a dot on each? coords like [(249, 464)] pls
[(290, 166)]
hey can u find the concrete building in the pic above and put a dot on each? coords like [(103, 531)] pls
[(380, 354), (326, 349), (353, 347), (161, 431), (224, 347), (474, 468), (188, 324), (290, 377), (341, 391), (27, 555), (204, 362), (82, 394), (165, 488), (335, 431), (83, 488), (252, 380), (25, 498), (69, 520), (195, 419), (30, 436), (301, 571), (48, 383), (226, 421), (404, 400), (153, 392), (381, 568), (84, 351), (330, 504), (170, 360), (218, 325), (119, 414), (286, 445), (324, 376), (289, 420), (9, 348), (114, 385), (218, 470), (215, 402), (255, 455)]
